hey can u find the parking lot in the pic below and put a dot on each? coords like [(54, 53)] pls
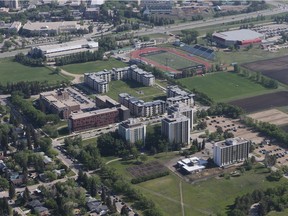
[(234, 126)]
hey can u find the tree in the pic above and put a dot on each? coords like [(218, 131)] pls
[(57, 70), (124, 211), (203, 144), (26, 195), (143, 158), (11, 190), (4, 184)]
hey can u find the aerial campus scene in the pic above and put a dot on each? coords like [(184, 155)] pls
[(144, 107)]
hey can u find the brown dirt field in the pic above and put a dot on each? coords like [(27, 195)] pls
[(272, 116), (275, 68), (263, 102)]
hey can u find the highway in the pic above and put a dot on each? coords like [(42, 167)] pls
[(181, 26)]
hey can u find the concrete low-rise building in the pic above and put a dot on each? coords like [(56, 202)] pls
[(59, 102), (176, 128), (132, 130), (51, 52), (191, 165), (51, 28), (99, 80), (140, 108), (231, 151)]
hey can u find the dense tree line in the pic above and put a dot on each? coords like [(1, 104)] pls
[(119, 186), (256, 77), (158, 21), (272, 199), (189, 36), (228, 110), (281, 18), (28, 88), (267, 129), (127, 26), (33, 115), (79, 58), (25, 60), (88, 155)]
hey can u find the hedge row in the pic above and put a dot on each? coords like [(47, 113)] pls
[(149, 177)]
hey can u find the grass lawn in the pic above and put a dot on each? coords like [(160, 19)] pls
[(14, 72), (205, 198), (251, 55), (135, 89), (94, 66), (224, 86), (172, 60)]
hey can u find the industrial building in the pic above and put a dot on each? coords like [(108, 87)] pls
[(231, 151), (99, 80), (51, 28), (140, 108), (51, 52), (183, 109), (242, 37), (132, 130), (176, 128), (59, 102)]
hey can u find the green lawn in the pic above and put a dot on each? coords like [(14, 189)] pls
[(224, 86), (135, 89), (14, 72), (251, 55), (172, 60), (209, 197), (94, 66)]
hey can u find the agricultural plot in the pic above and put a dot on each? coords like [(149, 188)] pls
[(272, 116), (147, 169), (275, 68), (263, 102)]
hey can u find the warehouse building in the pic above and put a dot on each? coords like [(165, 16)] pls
[(242, 37), (231, 151), (51, 52)]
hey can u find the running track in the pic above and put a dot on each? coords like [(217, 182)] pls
[(136, 55)]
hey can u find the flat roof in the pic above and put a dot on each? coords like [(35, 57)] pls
[(92, 113), (50, 25), (230, 142), (238, 35)]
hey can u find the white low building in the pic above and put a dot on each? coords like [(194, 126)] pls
[(192, 165), (51, 52)]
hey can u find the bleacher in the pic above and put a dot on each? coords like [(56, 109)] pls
[(200, 51)]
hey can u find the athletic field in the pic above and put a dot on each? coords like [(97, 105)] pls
[(170, 59)]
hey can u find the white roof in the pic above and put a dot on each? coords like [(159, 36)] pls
[(239, 35)]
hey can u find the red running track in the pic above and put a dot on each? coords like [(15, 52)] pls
[(136, 54)]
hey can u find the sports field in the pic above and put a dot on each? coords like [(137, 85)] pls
[(224, 86), (171, 60), (11, 71), (93, 66), (135, 89)]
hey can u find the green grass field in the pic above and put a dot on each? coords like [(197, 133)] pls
[(210, 197), (172, 60), (94, 66), (14, 72), (224, 86), (135, 89)]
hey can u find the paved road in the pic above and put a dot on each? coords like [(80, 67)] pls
[(182, 26)]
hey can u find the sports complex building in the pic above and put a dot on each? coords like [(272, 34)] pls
[(240, 37)]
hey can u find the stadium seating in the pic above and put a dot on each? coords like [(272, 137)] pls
[(198, 50)]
